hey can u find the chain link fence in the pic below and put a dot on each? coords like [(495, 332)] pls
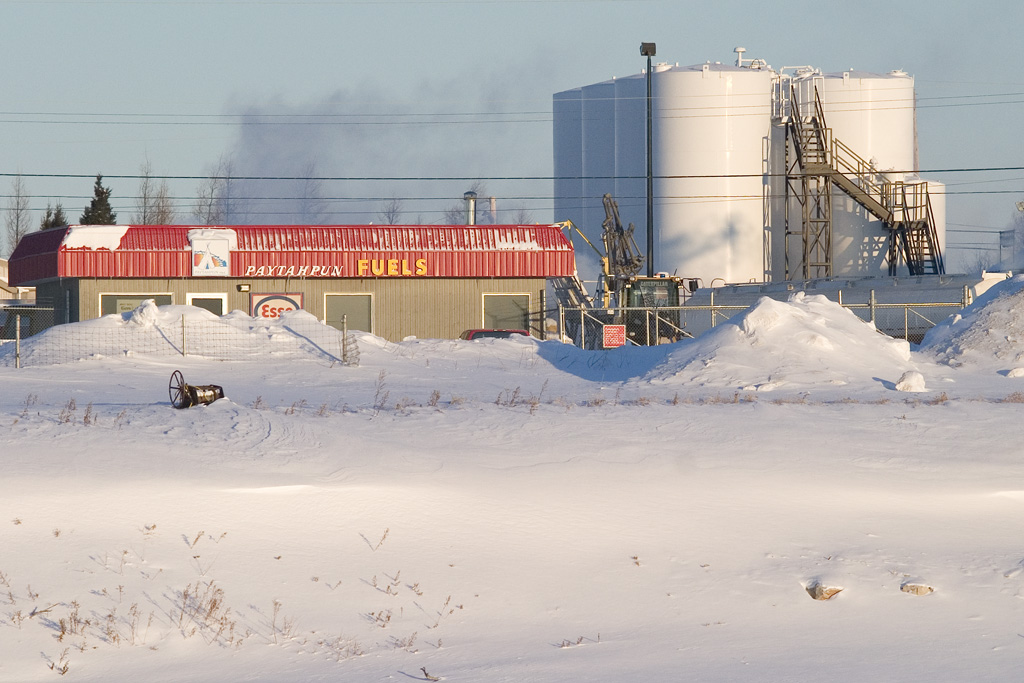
[(666, 324), (24, 321), (223, 338)]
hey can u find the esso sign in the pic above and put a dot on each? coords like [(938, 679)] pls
[(274, 305)]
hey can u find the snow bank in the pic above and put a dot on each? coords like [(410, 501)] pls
[(805, 341), (989, 332), (151, 330)]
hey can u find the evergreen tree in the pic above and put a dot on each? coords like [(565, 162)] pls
[(53, 218), (99, 212)]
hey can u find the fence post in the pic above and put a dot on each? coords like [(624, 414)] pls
[(714, 317), (344, 338), (583, 329), (183, 348), (871, 305), (561, 322), (17, 342)]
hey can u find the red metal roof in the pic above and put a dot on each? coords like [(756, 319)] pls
[(298, 251)]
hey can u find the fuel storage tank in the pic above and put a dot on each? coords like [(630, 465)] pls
[(567, 148), (723, 209), (630, 191), (711, 125), (874, 116)]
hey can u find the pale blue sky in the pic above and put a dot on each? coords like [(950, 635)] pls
[(447, 88)]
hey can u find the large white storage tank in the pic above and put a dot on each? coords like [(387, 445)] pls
[(711, 124), (567, 147), (631, 154), (598, 114)]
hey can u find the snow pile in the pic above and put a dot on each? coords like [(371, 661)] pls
[(988, 332), (153, 330), (912, 381), (805, 341), (146, 315)]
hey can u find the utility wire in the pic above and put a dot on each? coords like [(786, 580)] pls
[(132, 176)]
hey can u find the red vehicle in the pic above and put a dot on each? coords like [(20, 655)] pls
[(492, 334)]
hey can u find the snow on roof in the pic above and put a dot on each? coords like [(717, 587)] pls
[(95, 236), (215, 234)]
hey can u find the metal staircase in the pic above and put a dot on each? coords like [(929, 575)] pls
[(570, 292), (820, 161)]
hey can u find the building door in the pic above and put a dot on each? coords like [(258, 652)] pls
[(507, 311), (355, 309), (214, 303)]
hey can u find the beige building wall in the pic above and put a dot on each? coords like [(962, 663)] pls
[(438, 308)]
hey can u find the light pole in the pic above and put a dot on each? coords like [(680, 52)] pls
[(648, 50)]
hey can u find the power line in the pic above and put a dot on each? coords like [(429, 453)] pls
[(980, 169), (386, 118)]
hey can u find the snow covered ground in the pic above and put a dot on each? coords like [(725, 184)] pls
[(514, 510)]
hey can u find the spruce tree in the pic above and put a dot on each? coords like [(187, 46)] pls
[(99, 212), (53, 218)]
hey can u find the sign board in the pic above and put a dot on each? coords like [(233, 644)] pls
[(211, 255), (613, 336), (273, 305)]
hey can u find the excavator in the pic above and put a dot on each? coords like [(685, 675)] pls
[(621, 290)]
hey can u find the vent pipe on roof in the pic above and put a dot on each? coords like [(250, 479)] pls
[(494, 210), (470, 198)]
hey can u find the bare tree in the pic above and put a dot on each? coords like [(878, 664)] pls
[(213, 196), (522, 217), (310, 196), (153, 205), (17, 218), (390, 211), (206, 210), (978, 261)]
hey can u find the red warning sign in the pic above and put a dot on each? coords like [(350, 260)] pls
[(614, 336)]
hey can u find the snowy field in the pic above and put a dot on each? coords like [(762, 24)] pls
[(515, 510)]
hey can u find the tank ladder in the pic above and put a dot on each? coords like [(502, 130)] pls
[(821, 160)]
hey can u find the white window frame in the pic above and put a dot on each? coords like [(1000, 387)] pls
[(483, 307), (373, 308), (189, 296)]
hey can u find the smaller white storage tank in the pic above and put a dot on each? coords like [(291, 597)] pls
[(873, 114)]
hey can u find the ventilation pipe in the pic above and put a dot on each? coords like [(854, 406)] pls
[(470, 198), (494, 210)]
